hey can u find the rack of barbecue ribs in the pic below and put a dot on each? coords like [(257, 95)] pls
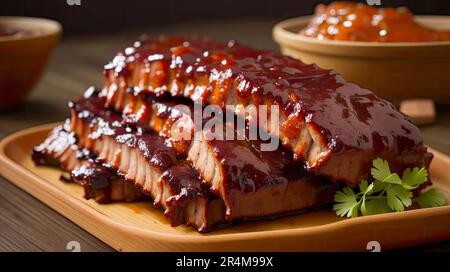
[(128, 140)]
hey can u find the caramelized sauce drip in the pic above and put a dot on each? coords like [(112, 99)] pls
[(349, 21)]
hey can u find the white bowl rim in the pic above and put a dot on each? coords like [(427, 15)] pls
[(281, 30), (49, 27)]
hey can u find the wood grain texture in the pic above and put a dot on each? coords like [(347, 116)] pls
[(27, 224)]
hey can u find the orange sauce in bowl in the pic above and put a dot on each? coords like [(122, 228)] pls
[(349, 21)]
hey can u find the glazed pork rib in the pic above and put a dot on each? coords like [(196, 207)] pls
[(251, 183), (104, 185), (170, 118), (99, 183), (335, 127), (59, 149), (142, 157)]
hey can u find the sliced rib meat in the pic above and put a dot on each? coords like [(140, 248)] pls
[(253, 183), (334, 126), (99, 182), (104, 185), (58, 149), (142, 157)]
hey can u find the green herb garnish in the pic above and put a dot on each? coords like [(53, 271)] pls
[(387, 193)]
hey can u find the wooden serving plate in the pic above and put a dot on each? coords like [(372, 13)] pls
[(140, 227)]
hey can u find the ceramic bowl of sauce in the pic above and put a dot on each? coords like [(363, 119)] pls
[(387, 50), (25, 47)]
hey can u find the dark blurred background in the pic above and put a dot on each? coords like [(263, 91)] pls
[(106, 16)]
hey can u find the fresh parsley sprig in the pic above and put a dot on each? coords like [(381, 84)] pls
[(387, 193)]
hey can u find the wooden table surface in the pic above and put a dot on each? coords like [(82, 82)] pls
[(29, 225)]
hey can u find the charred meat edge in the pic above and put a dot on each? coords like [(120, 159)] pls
[(273, 194), (144, 159), (99, 183)]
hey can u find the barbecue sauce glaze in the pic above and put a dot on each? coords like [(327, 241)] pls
[(94, 177), (347, 116), (184, 181), (246, 168)]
